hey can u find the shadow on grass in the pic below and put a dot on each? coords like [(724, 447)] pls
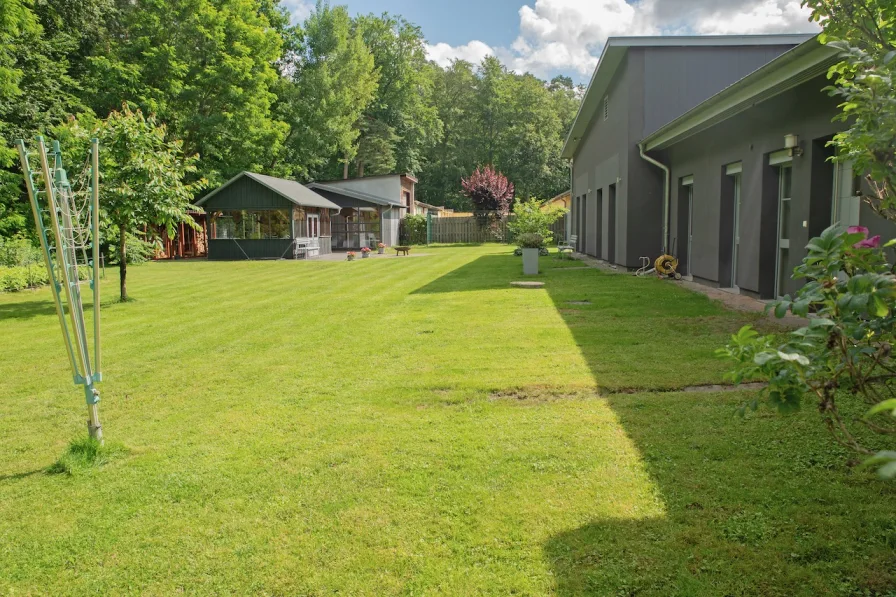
[(26, 309), (762, 506), (25, 475), (765, 506)]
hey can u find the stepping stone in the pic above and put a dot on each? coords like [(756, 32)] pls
[(527, 284)]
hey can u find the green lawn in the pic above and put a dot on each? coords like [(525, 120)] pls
[(415, 426)]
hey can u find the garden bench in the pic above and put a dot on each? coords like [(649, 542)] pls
[(402, 249), (569, 245)]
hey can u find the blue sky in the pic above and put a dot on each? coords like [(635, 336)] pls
[(549, 37)]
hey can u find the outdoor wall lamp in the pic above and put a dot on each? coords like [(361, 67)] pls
[(792, 142)]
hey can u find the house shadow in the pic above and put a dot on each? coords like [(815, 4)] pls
[(488, 272), (745, 503), (27, 309)]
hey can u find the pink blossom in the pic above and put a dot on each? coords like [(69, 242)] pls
[(868, 243)]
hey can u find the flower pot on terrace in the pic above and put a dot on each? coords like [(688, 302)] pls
[(365, 255), (381, 250), (530, 262)]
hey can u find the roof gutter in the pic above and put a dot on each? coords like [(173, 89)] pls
[(667, 184)]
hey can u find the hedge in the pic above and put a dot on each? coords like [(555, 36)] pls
[(13, 279)]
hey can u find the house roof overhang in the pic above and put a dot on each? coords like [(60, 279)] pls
[(288, 189), (354, 194), (614, 52), (794, 67)]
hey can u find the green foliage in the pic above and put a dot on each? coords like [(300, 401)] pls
[(845, 352), (864, 31), (332, 80), (204, 68), (531, 218), (490, 115), (403, 105), (144, 176), (18, 251), (414, 230), (34, 275)]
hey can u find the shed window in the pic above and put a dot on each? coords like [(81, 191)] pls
[(253, 225)]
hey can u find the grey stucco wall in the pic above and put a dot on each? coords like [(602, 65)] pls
[(678, 78), (750, 137), (601, 158)]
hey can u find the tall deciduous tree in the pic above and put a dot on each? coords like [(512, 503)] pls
[(403, 100), (331, 80), (36, 88), (206, 68), (143, 175), (454, 96)]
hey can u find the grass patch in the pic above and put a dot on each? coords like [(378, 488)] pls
[(417, 426), (83, 454)]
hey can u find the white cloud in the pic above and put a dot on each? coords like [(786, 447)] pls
[(442, 53), (568, 35), (299, 10), (764, 17)]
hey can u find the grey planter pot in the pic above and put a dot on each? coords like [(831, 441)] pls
[(530, 262)]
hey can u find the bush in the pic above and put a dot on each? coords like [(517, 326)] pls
[(530, 219), (18, 252), (414, 230), (14, 279), (530, 240), (844, 356)]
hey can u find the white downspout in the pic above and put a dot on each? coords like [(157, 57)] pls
[(667, 184)]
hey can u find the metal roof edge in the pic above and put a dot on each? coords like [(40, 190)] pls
[(619, 46), (354, 194)]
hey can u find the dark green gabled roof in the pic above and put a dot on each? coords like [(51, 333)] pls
[(288, 189)]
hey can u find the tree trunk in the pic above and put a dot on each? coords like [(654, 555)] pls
[(122, 261), (345, 168), (360, 169)]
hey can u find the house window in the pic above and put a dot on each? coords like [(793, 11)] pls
[(255, 225), (606, 107)]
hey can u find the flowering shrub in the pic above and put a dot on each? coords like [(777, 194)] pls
[(380, 245), (530, 240), (489, 190), (845, 354), (350, 255), (365, 249)]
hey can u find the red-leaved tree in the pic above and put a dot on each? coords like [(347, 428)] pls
[(489, 190)]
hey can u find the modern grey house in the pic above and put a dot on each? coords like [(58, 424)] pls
[(639, 85), (735, 184)]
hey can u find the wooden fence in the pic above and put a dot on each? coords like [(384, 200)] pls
[(468, 230)]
